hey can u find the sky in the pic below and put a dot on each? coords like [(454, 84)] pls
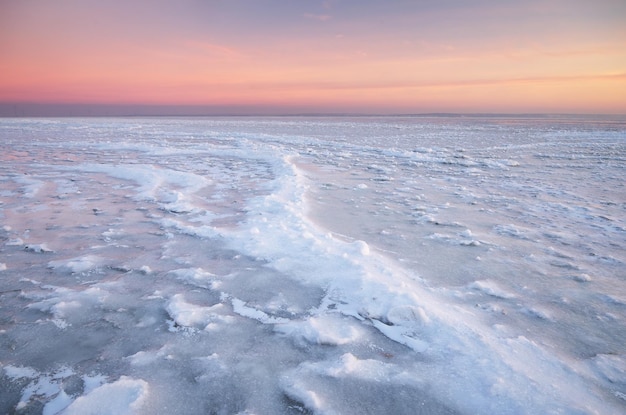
[(313, 56)]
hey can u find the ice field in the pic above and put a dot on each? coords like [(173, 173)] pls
[(313, 265)]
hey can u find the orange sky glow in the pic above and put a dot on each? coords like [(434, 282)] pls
[(342, 56)]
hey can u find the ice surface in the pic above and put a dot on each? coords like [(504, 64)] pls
[(342, 265)]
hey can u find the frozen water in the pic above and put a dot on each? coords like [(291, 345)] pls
[(406, 265)]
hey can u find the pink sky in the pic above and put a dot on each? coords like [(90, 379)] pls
[(356, 56)]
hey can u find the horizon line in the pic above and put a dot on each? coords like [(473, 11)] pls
[(101, 110)]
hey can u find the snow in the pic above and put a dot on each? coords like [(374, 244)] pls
[(313, 265)]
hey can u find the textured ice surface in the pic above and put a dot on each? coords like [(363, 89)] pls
[(343, 265)]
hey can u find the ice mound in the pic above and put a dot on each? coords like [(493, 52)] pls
[(195, 316), (197, 277), (122, 397), (512, 231), (491, 288), (37, 248), (350, 384), (68, 305), (77, 265), (147, 357)]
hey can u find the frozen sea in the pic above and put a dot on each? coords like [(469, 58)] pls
[(313, 265)]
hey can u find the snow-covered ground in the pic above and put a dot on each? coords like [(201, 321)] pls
[(390, 265)]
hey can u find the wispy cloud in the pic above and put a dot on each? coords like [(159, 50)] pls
[(365, 85), (320, 17), (213, 49)]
